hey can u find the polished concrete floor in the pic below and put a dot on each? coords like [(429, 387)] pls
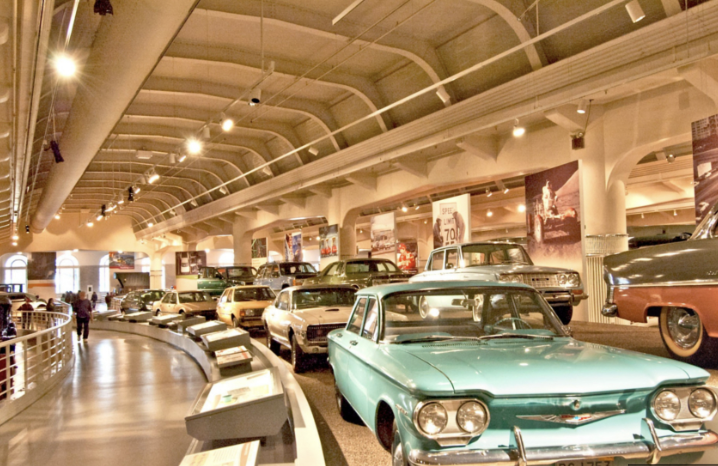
[(123, 404)]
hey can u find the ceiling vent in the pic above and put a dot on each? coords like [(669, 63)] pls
[(143, 154)]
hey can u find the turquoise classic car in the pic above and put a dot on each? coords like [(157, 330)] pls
[(473, 373)]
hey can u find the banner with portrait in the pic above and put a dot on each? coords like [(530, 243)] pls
[(382, 233), (293, 246), (553, 214), (259, 251), (452, 220), (407, 255), (705, 164), (187, 263), (122, 260), (329, 241)]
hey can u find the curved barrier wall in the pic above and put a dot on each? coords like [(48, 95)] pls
[(35, 361)]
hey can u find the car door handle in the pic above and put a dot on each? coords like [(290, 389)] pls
[(353, 343)]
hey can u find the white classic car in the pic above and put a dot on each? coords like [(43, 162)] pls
[(302, 316)]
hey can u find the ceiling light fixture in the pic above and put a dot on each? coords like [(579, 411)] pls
[(361, 231), (182, 158), (635, 11), (417, 207), (14, 243), (226, 123), (675, 213), (194, 146), (15, 237), (643, 215), (522, 208), (103, 7), (27, 229), (150, 224), (137, 189), (65, 66), (671, 158), (173, 158), (489, 213), (443, 95), (223, 190), (313, 150), (193, 202), (255, 96), (319, 238), (489, 193), (90, 224), (57, 216), (206, 134), (130, 194), (404, 208), (151, 175), (518, 131), (582, 106), (120, 200), (56, 152)]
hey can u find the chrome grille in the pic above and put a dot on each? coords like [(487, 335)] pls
[(540, 280), (318, 333)]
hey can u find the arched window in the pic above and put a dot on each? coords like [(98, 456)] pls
[(67, 275), (16, 270), (226, 259), (104, 274)]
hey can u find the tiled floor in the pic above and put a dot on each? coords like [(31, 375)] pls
[(123, 404)]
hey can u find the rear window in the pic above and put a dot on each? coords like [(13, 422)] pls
[(240, 272), (370, 266), (152, 296), (295, 268), (253, 294), (194, 297)]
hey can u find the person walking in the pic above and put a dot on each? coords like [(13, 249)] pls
[(25, 308), (83, 316), (94, 300), (50, 305)]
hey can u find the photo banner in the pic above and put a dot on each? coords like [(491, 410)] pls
[(407, 255), (452, 220), (259, 252), (329, 241), (293, 246), (553, 214), (122, 260), (187, 263), (382, 233), (41, 266), (705, 164)]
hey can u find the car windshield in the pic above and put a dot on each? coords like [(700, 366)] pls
[(494, 254), (194, 297), (468, 313), (253, 294), (240, 272), (370, 266), (22, 296), (292, 268), (305, 299), (152, 296)]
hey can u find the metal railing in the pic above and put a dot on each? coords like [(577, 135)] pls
[(598, 247), (36, 360)]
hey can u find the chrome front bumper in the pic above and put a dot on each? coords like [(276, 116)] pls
[(563, 297), (650, 451)]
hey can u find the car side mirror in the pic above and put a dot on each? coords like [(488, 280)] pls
[(450, 266)]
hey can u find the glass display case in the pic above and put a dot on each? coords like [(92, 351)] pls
[(225, 339)]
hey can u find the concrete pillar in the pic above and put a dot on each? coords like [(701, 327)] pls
[(156, 269), (242, 244), (348, 234)]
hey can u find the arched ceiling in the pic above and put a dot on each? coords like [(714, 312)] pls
[(315, 78)]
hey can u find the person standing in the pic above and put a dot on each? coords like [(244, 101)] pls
[(50, 305), (460, 226), (83, 316), (25, 308), (438, 239), (94, 300)]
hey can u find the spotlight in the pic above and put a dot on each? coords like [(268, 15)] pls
[(193, 202), (506, 190), (635, 11), (103, 7), (522, 208), (27, 229), (417, 207), (150, 224), (361, 231), (57, 216), (182, 159), (313, 150), (443, 95), (227, 123), (643, 215), (518, 130), (194, 147), (223, 190), (152, 176), (255, 96), (173, 158), (14, 243), (489, 193), (489, 213), (137, 189), (90, 224), (65, 66), (671, 158), (206, 134), (120, 200), (99, 217), (130, 194), (15, 237), (404, 208), (318, 238), (56, 152), (675, 214), (425, 221), (582, 106)]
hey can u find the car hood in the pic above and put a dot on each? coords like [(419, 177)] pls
[(325, 315), (516, 268), (200, 306), (539, 367), (251, 304)]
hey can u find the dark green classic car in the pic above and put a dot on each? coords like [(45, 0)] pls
[(474, 373)]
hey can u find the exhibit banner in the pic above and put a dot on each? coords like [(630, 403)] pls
[(122, 260), (259, 252), (293, 246), (187, 263), (382, 233), (329, 241), (452, 220), (407, 255), (553, 213), (41, 273), (705, 164)]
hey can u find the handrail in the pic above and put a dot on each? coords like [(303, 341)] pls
[(35, 361)]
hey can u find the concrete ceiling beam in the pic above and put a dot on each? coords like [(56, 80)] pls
[(484, 147), (323, 191), (703, 75), (295, 200), (417, 167), (365, 181), (269, 208), (567, 118), (250, 214)]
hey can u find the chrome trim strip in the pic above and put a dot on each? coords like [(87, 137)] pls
[(643, 450), (558, 418), (706, 282)]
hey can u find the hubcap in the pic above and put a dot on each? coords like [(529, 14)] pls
[(684, 327), (398, 459)]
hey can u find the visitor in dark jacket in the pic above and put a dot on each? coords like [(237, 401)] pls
[(94, 300), (83, 316)]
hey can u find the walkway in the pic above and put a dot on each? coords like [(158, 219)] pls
[(123, 404)]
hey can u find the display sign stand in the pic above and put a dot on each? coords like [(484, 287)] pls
[(163, 321), (243, 454), (241, 407), (225, 339), (137, 317), (236, 360), (183, 325), (198, 330), (107, 315)]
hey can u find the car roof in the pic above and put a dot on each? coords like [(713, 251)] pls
[(319, 287), (367, 259), (478, 243), (384, 290), (244, 287)]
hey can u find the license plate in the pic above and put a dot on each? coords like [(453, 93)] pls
[(594, 462)]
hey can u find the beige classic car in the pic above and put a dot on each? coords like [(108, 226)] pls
[(302, 316), (195, 302), (242, 306)]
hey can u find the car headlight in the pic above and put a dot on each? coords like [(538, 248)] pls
[(667, 405), (510, 278), (702, 403), (432, 418), (472, 417), (569, 280)]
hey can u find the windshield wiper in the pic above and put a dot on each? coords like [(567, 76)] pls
[(426, 338), (528, 336)]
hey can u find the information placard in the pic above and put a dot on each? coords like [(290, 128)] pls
[(244, 454)]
